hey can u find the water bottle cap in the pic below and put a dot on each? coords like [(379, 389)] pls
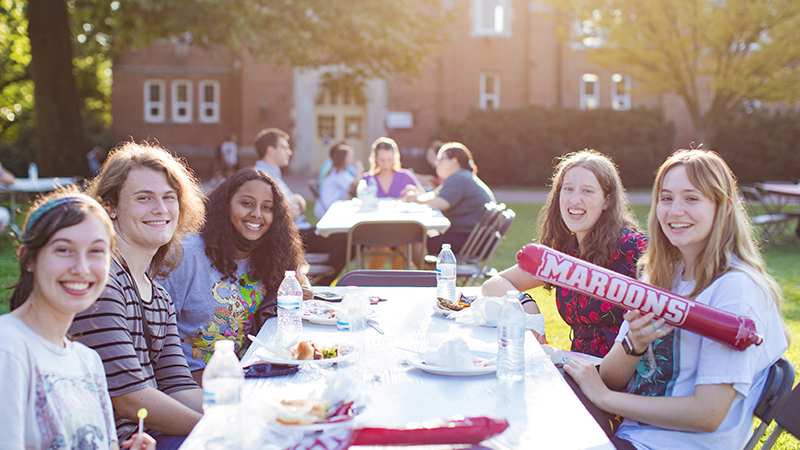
[(223, 345), (444, 246), (289, 273), (512, 293)]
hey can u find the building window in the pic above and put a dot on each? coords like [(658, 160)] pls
[(209, 101), (182, 101), (490, 91), (590, 91), (154, 95), (620, 92), (492, 17)]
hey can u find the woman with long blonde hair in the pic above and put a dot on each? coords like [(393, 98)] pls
[(677, 389)]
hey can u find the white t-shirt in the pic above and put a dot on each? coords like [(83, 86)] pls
[(336, 187), (230, 151), (675, 364), (52, 396)]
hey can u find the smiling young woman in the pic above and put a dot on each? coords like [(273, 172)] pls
[(227, 285), (677, 389), (586, 215), (64, 260)]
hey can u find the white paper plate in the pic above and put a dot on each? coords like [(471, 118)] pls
[(319, 426), (325, 320), (418, 362), (267, 356)]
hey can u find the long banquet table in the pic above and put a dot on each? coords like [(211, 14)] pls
[(542, 411), (344, 215)]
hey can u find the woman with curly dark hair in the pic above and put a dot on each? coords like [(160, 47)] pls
[(227, 285)]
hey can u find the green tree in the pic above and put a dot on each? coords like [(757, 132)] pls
[(73, 42), (714, 54)]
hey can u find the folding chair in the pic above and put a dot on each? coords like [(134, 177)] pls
[(407, 278), (477, 238), (386, 234), (772, 223), (472, 273), (788, 419), (779, 382)]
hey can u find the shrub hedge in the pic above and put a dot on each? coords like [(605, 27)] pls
[(518, 147), (761, 146)]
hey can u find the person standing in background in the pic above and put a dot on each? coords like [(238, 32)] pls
[(229, 155)]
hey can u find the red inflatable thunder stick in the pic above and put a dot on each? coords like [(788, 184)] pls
[(567, 271)]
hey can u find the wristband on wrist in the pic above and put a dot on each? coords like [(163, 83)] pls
[(627, 345), (524, 297)]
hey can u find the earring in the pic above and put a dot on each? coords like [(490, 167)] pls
[(29, 269)]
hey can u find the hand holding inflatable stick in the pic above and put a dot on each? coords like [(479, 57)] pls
[(557, 268)]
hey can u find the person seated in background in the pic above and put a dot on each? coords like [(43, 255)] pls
[(586, 215), (677, 389), (54, 390), (153, 201), (460, 197), (391, 180), (326, 166), (386, 172), (272, 147), (428, 177), (227, 285), (339, 182)]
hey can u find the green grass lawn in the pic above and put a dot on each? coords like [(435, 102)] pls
[(783, 262)]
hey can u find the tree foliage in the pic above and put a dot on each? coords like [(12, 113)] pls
[(372, 37), (714, 54)]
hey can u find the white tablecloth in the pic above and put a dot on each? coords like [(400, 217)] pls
[(343, 215), (542, 410)]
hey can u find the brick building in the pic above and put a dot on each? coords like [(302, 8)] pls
[(503, 54)]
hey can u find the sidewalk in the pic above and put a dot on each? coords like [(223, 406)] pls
[(298, 182)]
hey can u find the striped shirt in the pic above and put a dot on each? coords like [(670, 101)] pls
[(113, 327)]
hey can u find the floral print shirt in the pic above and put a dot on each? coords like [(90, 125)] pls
[(594, 323)]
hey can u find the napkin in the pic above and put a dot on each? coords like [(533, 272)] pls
[(484, 311), (458, 430), (453, 353), (266, 370)]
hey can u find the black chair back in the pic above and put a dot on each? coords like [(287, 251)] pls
[(405, 278), (779, 382)]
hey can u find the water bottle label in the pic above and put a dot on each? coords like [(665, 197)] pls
[(289, 302), (343, 325), (448, 271)]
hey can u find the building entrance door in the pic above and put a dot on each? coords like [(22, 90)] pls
[(338, 117)]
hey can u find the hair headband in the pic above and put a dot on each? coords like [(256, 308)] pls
[(48, 206)]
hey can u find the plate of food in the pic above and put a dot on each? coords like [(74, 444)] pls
[(312, 415), (326, 314), (445, 307), (306, 352), (483, 363)]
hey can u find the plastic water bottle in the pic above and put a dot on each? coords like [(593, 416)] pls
[(33, 172), (222, 394), (352, 320), (361, 190), (511, 339), (446, 274), (290, 322)]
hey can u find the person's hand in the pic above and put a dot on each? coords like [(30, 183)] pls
[(588, 378), (410, 193), (140, 442), (643, 329)]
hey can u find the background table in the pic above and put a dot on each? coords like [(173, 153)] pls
[(343, 215), (542, 410), (29, 186)]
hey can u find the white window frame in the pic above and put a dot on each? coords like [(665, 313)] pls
[(502, 24), (494, 97), (203, 104), (590, 101), (176, 105), (620, 102), (160, 104)]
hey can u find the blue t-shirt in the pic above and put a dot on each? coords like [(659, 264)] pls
[(208, 307)]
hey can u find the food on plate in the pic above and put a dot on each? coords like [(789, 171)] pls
[(309, 350), (464, 301), (302, 412)]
